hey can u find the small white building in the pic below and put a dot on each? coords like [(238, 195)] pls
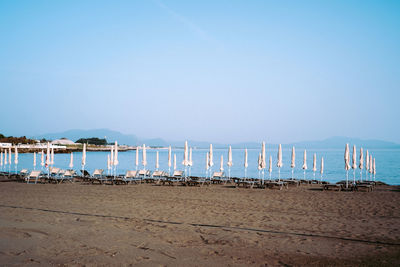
[(62, 141)]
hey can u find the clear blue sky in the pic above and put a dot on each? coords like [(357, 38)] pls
[(229, 71)]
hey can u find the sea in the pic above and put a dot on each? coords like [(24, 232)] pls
[(387, 163)]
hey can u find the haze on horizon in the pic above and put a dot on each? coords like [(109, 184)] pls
[(221, 71)]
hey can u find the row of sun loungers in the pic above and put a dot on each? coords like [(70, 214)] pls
[(56, 175)]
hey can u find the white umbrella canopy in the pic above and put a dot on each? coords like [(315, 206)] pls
[(1, 158), (84, 156), (5, 157), (48, 155), (246, 164), (185, 161), (116, 162), (270, 166), (157, 165), (279, 164), (169, 156), (347, 157), (34, 160), (314, 163), (9, 155), (322, 166), (111, 156), (361, 162), (374, 169), (52, 155), (174, 161), (259, 162), (16, 156), (211, 162), (263, 159), (305, 160), (229, 162), (367, 161), (144, 156), (370, 163), (354, 158), (42, 158), (71, 161), (293, 163), (190, 158), (221, 168)]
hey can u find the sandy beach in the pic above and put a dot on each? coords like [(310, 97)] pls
[(148, 225)]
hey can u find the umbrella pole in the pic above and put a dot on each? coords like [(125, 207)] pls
[(229, 172), (263, 175), (270, 178), (361, 175), (347, 179), (245, 173), (354, 176), (279, 174), (314, 175), (292, 173), (304, 175)]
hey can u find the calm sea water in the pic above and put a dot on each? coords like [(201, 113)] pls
[(387, 163)]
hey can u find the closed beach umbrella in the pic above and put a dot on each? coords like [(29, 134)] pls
[(293, 163), (366, 164), (157, 165), (361, 164), (111, 156), (9, 156), (263, 159), (347, 163), (1, 159), (354, 164), (83, 156), (305, 163), (34, 160), (48, 155), (259, 163), (137, 157), (116, 162), (370, 163), (354, 158), (5, 157), (245, 163), (71, 161), (169, 160), (322, 167), (314, 163), (270, 167), (279, 163), (185, 155), (52, 155), (42, 158), (221, 168), (211, 162), (174, 161), (229, 162), (144, 156), (190, 158), (374, 169), (16, 156)]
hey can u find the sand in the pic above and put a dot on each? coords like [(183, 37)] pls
[(147, 225)]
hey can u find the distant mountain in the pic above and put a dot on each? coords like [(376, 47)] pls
[(130, 139), (340, 141)]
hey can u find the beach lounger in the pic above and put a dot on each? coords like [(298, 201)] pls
[(330, 186), (33, 176), (176, 178), (23, 173), (365, 186), (98, 176), (292, 182), (144, 175), (276, 184), (129, 177), (159, 175), (217, 177), (66, 176), (201, 181)]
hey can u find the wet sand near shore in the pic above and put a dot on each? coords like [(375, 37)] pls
[(148, 225)]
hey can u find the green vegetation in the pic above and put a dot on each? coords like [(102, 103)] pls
[(92, 141), (16, 140)]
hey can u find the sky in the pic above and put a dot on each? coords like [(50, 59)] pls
[(220, 71)]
